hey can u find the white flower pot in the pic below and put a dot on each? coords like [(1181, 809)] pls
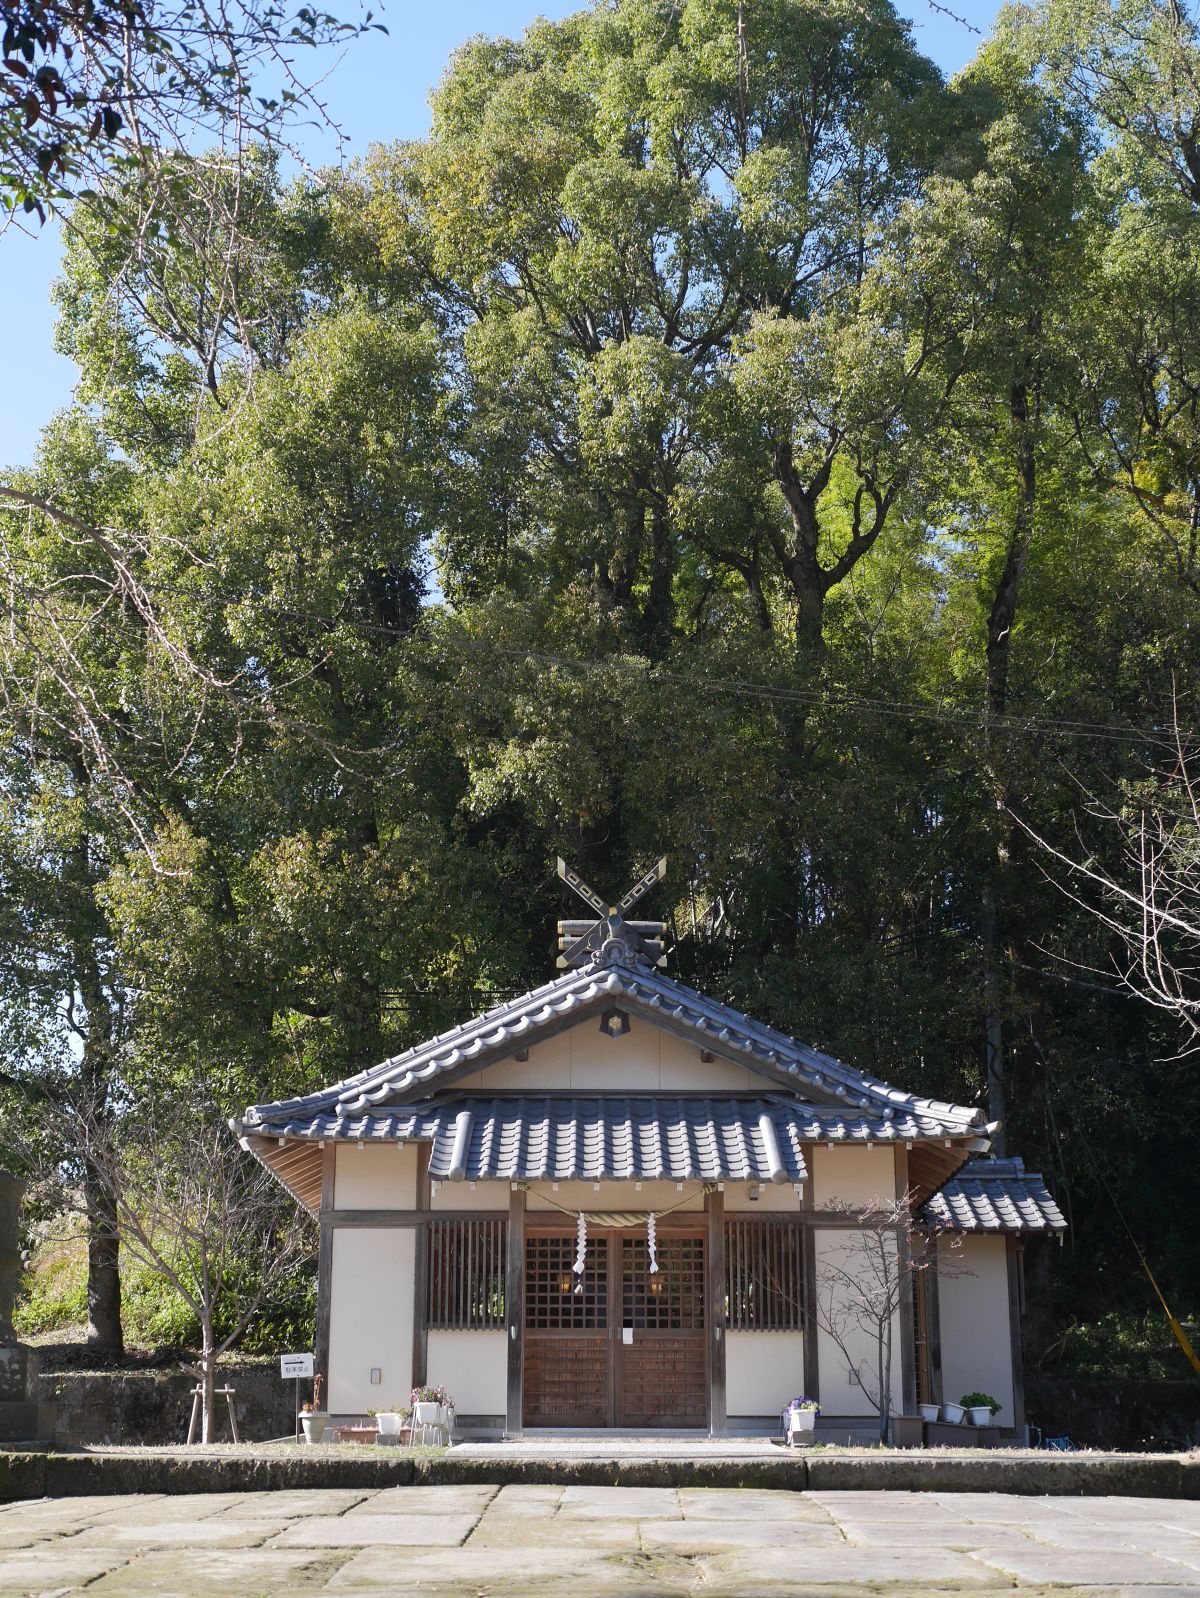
[(390, 1422), (802, 1420), (314, 1425), (953, 1414), (980, 1414), (930, 1411), (427, 1414)]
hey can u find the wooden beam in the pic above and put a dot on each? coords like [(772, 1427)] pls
[(714, 1203), (338, 1218), (324, 1269), (420, 1353), (908, 1338), (514, 1307), (1014, 1247)]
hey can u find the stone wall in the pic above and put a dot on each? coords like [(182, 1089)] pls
[(152, 1407), (1152, 1416)]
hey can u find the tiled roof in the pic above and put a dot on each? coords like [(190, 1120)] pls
[(804, 1072), (996, 1196), (593, 1138)]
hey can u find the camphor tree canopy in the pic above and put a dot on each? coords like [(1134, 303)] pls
[(721, 436)]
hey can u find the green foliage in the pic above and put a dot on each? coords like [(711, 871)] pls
[(757, 450)]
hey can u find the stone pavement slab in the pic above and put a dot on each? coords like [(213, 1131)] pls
[(215, 1571), (525, 1503), (546, 1572), (804, 1567), (292, 1504), (496, 1531), (1077, 1567), (178, 1534), (644, 1502), (361, 1531), (54, 1570), (706, 1536), (713, 1503), (470, 1500)]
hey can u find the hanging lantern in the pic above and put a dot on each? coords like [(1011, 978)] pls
[(581, 1244), (652, 1243)]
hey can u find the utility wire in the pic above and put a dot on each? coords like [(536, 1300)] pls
[(736, 687)]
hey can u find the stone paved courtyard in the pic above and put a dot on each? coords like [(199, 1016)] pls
[(614, 1542)]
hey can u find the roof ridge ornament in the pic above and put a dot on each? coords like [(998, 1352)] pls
[(611, 940)]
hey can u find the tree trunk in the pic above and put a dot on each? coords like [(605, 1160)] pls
[(208, 1382), (104, 1332), (884, 1377), (1023, 416)]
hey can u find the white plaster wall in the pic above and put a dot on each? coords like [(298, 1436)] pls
[(762, 1371), (851, 1174), (370, 1317), (375, 1176), (657, 1196), (646, 1059), (974, 1322), (774, 1198), (834, 1249), (473, 1368), (469, 1196)]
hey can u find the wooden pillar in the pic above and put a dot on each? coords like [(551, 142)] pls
[(324, 1267), (714, 1204), (908, 1341), (933, 1307), (514, 1307), (812, 1362), (1014, 1247), (420, 1349)]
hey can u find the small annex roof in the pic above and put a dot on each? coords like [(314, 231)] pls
[(989, 1195)]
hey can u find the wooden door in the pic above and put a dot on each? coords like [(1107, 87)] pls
[(617, 1346), (568, 1359), (662, 1355)]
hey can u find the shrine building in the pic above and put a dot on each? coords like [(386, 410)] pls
[(615, 1202)]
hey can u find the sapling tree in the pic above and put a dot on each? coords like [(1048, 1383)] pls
[(193, 1207), (864, 1277)]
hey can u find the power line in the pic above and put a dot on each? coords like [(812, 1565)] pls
[(737, 687)]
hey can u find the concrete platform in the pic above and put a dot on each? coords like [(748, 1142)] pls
[(704, 1463)]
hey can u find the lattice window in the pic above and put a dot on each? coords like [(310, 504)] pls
[(673, 1299), (764, 1275), (466, 1274), (556, 1299)]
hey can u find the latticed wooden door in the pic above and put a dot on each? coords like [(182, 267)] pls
[(662, 1355), (617, 1346), (568, 1360)]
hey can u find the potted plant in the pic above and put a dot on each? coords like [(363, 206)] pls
[(800, 1414), (980, 1408), (312, 1417), (930, 1411), (432, 1406), (390, 1421), (952, 1414)]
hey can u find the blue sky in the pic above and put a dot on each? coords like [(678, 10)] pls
[(378, 91)]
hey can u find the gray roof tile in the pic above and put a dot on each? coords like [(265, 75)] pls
[(547, 1138), (996, 1196), (866, 1106)]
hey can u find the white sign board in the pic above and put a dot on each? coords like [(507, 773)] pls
[(292, 1367)]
